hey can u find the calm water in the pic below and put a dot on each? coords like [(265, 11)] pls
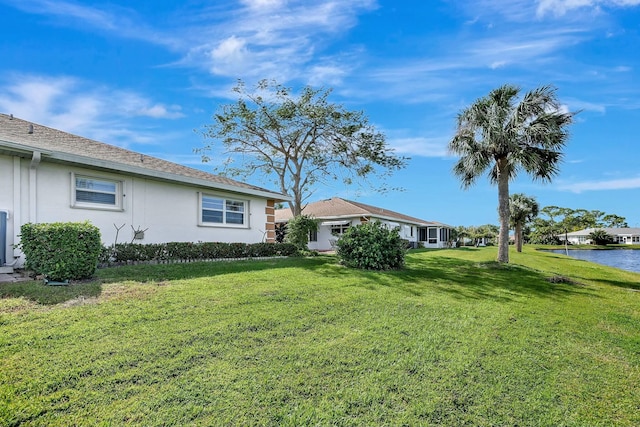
[(626, 259)]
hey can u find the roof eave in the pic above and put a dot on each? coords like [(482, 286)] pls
[(23, 150)]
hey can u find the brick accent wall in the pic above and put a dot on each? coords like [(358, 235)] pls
[(270, 225)]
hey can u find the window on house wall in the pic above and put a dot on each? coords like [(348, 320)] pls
[(97, 193), (222, 211), (432, 235), (339, 229), (313, 236)]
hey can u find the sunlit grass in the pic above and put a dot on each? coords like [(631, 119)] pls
[(454, 339)]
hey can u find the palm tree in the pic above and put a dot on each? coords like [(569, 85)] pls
[(502, 134), (523, 209)]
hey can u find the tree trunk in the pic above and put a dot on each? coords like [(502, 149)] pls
[(503, 210), (518, 236)]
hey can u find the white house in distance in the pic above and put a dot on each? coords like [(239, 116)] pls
[(629, 236), (336, 215), (47, 175)]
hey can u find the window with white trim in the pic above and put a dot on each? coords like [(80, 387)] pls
[(216, 210), (433, 235), (97, 193), (339, 229)]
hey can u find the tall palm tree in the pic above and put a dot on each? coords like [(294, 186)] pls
[(523, 209), (503, 135)]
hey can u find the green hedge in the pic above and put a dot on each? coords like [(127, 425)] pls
[(61, 250), (123, 253)]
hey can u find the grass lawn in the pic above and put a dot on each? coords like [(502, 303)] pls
[(452, 340)]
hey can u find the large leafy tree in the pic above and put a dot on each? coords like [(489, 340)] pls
[(297, 140), (523, 209), (503, 134)]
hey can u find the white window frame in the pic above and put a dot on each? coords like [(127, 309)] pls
[(80, 204), (339, 229), (432, 240), (225, 200)]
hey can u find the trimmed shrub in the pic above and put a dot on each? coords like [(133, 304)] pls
[(61, 250), (371, 246), (123, 253)]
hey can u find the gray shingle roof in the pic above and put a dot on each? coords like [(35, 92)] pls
[(337, 207), (57, 145)]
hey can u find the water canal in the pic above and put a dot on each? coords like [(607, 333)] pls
[(625, 259)]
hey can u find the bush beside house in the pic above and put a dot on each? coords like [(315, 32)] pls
[(61, 250), (371, 246)]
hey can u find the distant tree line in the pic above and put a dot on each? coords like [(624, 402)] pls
[(555, 221), (542, 226)]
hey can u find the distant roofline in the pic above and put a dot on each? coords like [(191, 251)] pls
[(385, 214)]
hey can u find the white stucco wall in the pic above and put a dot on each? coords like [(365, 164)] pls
[(169, 211)]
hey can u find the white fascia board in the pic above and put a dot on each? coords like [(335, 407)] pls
[(13, 148), (119, 167), (166, 176), (373, 217), (403, 221)]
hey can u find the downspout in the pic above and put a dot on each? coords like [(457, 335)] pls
[(33, 185), (17, 204)]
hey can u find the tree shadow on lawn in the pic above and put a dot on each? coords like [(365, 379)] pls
[(37, 291), (471, 280), (461, 278)]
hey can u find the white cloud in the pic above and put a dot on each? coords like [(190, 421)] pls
[(262, 4), (419, 146), (123, 22), (614, 184), (562, 7), (275, 39), (80, 107)]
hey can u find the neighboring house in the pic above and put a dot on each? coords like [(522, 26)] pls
[(336, 215), (629, 236), (47, 175)]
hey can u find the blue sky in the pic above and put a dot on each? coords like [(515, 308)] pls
[(146, 75)]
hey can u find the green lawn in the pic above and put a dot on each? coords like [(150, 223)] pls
[(453, 340)]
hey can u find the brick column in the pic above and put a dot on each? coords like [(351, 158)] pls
[(270, 225)]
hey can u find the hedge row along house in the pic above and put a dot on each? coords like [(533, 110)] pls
[(336, 215), (52, 176)]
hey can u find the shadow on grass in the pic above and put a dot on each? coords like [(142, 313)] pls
[(458, 277), (37, 291), (472, 280)]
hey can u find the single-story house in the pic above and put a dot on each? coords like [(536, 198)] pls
[(52, 176), (629, 236), (335, 215)]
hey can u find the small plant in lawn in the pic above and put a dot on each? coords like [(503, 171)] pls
[(371, 246)]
